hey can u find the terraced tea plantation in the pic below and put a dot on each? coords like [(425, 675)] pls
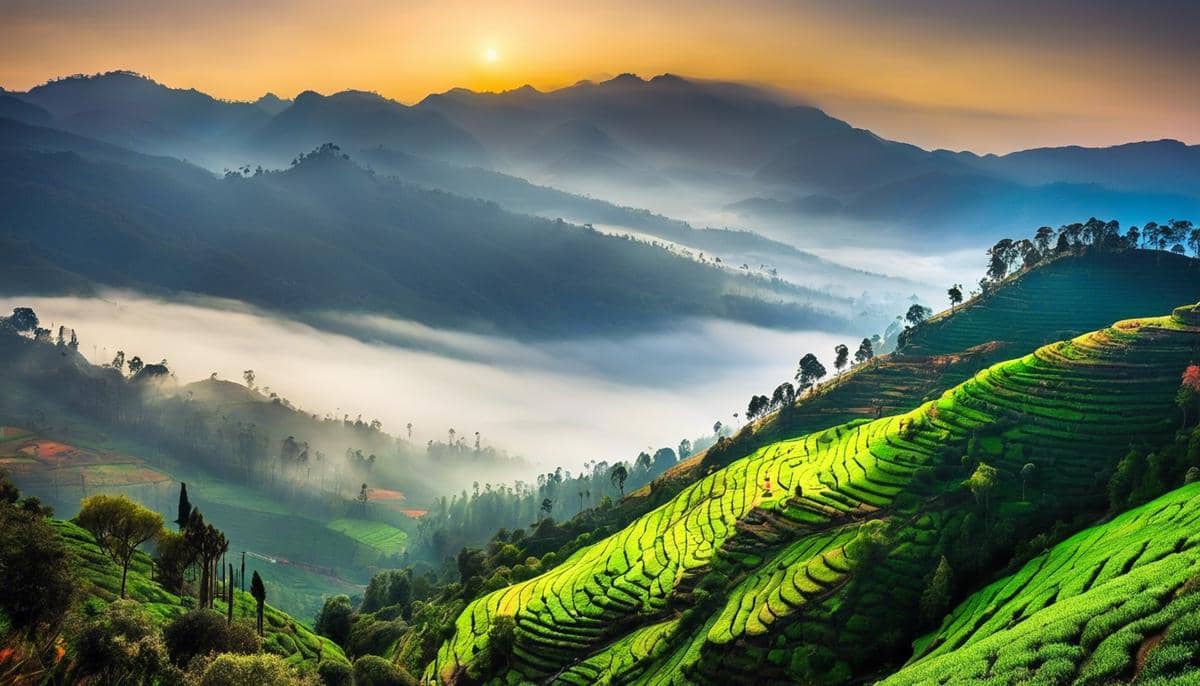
[(825, 539), (1117, 603), (1062, 299)]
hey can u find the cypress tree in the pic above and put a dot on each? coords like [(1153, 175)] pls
[(229, 597), (185, 507), (260, 596)]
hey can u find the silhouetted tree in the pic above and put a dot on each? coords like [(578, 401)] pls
[(809, 372), (185, 507), (841, 357), (618, 475), (917, 314), (865, 352), (956, 295), (259, 591)]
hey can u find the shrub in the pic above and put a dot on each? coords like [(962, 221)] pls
[(201, 632), (240, 670), (122, 645), (372, 670), (333, 673), (336, 618)]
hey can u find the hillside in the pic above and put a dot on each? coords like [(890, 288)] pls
[(1060, 299), (327, 235), (284, 635), (1117, 601), (805, 559)]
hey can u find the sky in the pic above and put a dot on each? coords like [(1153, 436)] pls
[(989, 76)]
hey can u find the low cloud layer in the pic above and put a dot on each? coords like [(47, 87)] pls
[(556, 403)]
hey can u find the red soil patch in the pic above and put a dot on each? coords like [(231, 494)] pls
[(415, 514), (383, 494)]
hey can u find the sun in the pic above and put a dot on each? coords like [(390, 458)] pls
[(491, 55)]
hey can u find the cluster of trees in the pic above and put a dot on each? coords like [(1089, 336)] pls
[(808, 377), (1009, 255), (109, 643), (471, 517)]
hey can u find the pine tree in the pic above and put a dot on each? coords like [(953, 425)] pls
[(229, 597)]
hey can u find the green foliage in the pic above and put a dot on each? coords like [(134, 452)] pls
[(203, 632), (334, 673), (390, 587), (843, 539), (939, 591), (239, 670), (1084, 611), (371, 670), (119, 525), (122, 645), (37, 580), (335, 619)]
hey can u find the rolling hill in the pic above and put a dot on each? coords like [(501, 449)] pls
[(1114, 603), (1060, 299), (805, 559)]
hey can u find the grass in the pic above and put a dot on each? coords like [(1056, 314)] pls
[(385, 538), (830, 554), (1116, 602), (284, 635)]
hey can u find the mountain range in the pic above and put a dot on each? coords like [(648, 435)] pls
[(738, 148)]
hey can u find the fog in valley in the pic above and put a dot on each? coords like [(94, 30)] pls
[(555, 403)]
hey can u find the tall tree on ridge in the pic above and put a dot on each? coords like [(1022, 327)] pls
[(956, 296), (841, 357), (184, 512), (259, 591)]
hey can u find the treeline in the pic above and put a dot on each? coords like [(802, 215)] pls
[(470, 517)]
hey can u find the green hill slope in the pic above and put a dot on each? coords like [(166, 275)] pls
[(284, 635), (805, 559), (1115, 603), (1057, 300)]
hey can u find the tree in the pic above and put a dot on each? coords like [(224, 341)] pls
[(956, 296), (118, 362), (917, 314), (259, 591), (1042, 238), (22, 320), (547, 506), (809, 372), (336, 618), (185, 507), (1027, 473), (717, 428), (865, 352), (784, 395), (1000, 259), (172, 557), (207, 544), (120, 526), (387, 588), (758, 404), (1189, 391), (935, 599), (618, 475), (248, 377), (841, 355), (981, 482), (37, 581), (685, 448)]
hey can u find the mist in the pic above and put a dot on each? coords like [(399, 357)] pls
[(555, 403)]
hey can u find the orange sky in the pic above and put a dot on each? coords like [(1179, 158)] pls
[(959, 75)]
